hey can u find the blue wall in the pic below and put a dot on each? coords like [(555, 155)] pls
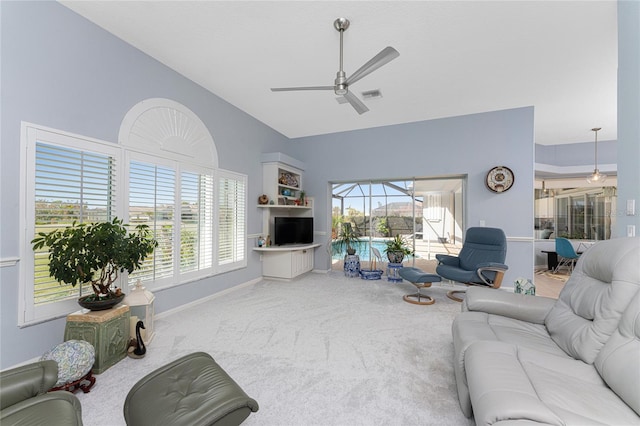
[(628, 114), (61, 71), (577, 154), (469, 145)]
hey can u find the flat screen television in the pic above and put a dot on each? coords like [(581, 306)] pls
[(293, 230)]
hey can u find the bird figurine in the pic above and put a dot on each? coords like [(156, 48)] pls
[(137, 350)]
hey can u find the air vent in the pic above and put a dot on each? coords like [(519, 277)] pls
[(372, 94)]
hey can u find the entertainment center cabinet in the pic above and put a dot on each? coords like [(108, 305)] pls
[(286, 261), (282, 184)]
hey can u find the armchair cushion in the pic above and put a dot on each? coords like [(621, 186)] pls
[(27, 381), (591, 303), (24, 398), (618, 363)]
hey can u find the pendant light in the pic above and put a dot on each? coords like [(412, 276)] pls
[(596, 176)]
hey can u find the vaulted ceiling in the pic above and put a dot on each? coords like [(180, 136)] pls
[(456, 58)]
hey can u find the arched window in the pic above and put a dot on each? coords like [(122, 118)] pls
[(164, 172)]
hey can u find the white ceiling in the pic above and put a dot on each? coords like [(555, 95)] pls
[(456, 58)]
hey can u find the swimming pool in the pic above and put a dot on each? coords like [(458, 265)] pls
[(363, 249)]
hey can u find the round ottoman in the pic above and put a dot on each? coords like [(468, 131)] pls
[(75, 359)]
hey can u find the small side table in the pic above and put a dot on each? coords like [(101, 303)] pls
[(107, 331), (392, 272), (352, 265)]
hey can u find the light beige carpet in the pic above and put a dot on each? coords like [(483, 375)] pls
[(320, 350)]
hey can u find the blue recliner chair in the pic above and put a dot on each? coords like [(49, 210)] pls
[(480, 262)]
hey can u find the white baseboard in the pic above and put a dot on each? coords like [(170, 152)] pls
[(206, 299)]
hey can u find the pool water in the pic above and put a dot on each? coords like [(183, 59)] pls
[(363, 250)]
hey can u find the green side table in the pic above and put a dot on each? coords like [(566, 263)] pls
[(107, 331)]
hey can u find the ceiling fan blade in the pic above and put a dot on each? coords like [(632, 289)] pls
[(385, 56), (356, 103), (290, 89)]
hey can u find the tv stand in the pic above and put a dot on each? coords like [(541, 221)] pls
[(287, 261)]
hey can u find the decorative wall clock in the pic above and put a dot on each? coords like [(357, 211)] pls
[(500, 179)]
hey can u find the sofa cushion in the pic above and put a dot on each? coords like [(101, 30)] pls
[(509, 383), (589, 307), (619, 360), (469, 327)]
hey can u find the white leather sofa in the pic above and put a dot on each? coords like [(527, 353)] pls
[(525, 360)]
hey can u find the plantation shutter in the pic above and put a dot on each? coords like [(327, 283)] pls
[(196, 222), (152, 202), (232, 204), (71, 185)]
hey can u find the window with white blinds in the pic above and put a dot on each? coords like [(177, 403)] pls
[(196, 222), (70, 186), (197, 215), (179, 208), (152, 201), (68, 180), (232, 201)]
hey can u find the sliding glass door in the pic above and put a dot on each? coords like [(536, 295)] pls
[(427, 212)]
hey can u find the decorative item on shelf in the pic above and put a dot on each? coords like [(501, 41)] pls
[(596, 176), (94, 254), (499, 179), (271, 202), (137, 349), (261, 241), (263, 199), (141, 305), (267, 242), (288, 179), (301, 198), (286, 192), (397, 248), (524, 286)]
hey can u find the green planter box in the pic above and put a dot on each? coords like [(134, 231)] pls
[(107, 331)]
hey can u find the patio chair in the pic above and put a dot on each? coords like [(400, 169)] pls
[(566, 254)]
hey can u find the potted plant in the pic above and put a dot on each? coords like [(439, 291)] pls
[(96, 253), (347, 240), (397, 248)]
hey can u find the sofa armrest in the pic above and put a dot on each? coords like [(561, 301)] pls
[(445, 259), (532, 309), (27, 381)]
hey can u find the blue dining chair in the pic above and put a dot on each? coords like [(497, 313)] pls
[(567, 255)]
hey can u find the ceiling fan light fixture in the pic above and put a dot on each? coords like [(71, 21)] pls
[(596, 176)]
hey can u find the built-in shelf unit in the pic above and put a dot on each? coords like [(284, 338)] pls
[(283, 185)]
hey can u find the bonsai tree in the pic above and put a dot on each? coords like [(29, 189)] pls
[(347, 240), (95, 253), (397, 248)]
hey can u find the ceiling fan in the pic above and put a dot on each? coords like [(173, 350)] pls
[(342, 82)]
